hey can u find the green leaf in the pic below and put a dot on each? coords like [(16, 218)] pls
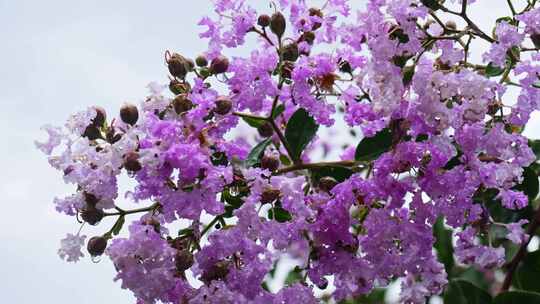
[(372, 147), (443, 244), (284, 160), (474, 276), (408, 73), (536, 84), (256, 153), (118, 225), (517, 297), (339, 173), (529, 185), (279, 214), (464, 292), (278, 110), (528, 272), (534, 144), (432, 4), (376, 296), (254, 122), (295, 275), (493, 70), (300, 130)]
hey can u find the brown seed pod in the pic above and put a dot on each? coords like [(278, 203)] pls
[(278, 24), (219, 65), (223, 105), (96, 245), (129, 114)]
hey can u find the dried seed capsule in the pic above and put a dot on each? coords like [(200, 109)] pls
[(316, 12), (308, 37), (270, 162), (96, 245), (270, 195), (290, 52), (100, 118), (265, 130), (92, 215), (327, 183), (131, 162), (223, 105), (178, 65), (182, 104), (278, 24), (183, 260), (218, 271), (129, 114), (219, 65)]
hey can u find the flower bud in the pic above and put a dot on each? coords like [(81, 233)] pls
[(92, 215), (90, 199), (290, 52), (131, 162), (278, 24), (182, 104), (92, 132), (316, 12), (183, 260), (177, 87), (178, 65), (223, 105), (219, 65), (270, 162), (218, 271), (265, 130), (201, 61), (451, 24), (129, 114), (96, 245), (327, 183), (308, 37), (263, 20), (270, 195)]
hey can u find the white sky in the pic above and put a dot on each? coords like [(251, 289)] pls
[(58, 57)]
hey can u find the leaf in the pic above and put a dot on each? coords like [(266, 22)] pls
[(517, 297), (408, 73), (295, 275), (464, 292), (493, 70), (372, 147), (254, 122), (255, 155), (443, 244), (279, 214), (529, 185), (528, 272), (432, 4), (118, 225), (536, 84), (376, 296), (339, 173), (534, 144), (300, 130), (278, 110), (475, 277)]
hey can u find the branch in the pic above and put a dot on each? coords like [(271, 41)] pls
[(513, 264), (296, 167)]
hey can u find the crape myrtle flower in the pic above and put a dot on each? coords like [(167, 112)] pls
[(231, 174)]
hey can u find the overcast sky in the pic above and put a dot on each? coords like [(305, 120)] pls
[(58, 57)]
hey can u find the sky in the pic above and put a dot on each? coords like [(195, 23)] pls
[(58, 57)]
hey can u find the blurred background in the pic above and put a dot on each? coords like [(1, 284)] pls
[(58, 57)]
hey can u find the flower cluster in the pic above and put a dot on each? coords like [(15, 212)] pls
[(224, 160)]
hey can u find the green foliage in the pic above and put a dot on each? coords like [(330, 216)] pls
[(517, 297), (463, 292), (300, 130), (254, 156), (528, 272), (443, 244), (370, 148)]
